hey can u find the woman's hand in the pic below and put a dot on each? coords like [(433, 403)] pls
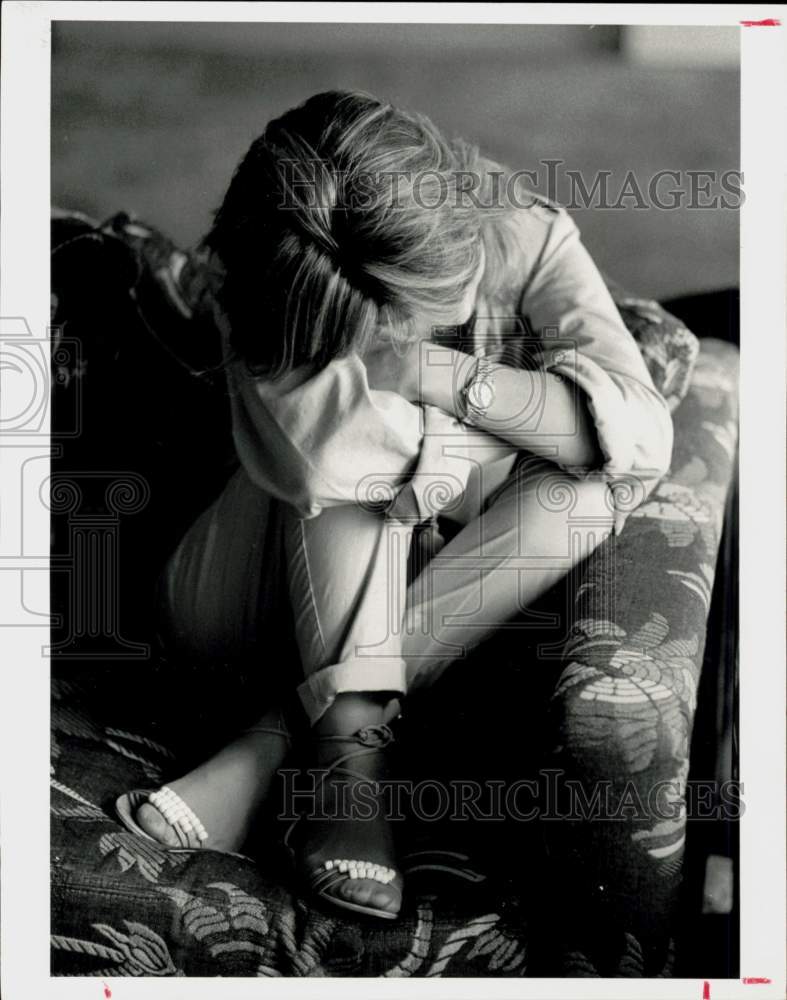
[(394, 367)]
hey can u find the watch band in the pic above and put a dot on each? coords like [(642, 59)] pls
[(478, 393)]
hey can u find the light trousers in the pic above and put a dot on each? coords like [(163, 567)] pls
[(249, 564)]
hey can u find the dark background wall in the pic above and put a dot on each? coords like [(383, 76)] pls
[(152, 118)]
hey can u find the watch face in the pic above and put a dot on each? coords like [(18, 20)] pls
[(480, 395)]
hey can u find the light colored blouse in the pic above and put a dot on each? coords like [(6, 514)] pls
[(331, 439)]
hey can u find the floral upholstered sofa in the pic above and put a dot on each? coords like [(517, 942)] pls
[(612, 700)]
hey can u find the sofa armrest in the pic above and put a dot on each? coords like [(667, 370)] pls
[(624, 704)]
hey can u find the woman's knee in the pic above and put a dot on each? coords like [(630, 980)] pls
[(559, 507)]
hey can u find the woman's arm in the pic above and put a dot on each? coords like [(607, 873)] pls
[(534, 410), (582, 337)]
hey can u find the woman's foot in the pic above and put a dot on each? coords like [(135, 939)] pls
[(225, 792), (345, 845)]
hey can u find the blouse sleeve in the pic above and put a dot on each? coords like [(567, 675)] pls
[(582, 337), (328, 439)]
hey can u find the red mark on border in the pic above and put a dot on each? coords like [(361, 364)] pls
[(706, 991), (751, 980), (769, 22), (107, 991)]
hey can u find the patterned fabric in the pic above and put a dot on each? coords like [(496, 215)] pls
[(614, 700), (625, 701), (670, 349)]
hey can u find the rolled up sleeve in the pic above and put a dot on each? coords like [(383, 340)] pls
[(582, 337)]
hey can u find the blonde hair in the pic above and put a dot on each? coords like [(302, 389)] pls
[(345, 217)]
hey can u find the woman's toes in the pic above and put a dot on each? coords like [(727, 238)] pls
[(356, 891), (385, 899), (368, 892), (154, 824)]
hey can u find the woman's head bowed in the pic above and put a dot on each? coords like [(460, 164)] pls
[(346, 216)]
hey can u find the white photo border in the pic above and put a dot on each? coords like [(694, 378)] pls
[(24, 293)]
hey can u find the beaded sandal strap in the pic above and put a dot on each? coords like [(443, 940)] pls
[(178, 814), (354, 869)]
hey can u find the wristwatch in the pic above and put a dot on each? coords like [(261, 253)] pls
[(479, 391)]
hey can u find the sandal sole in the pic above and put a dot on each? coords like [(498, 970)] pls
[(355, 907)]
